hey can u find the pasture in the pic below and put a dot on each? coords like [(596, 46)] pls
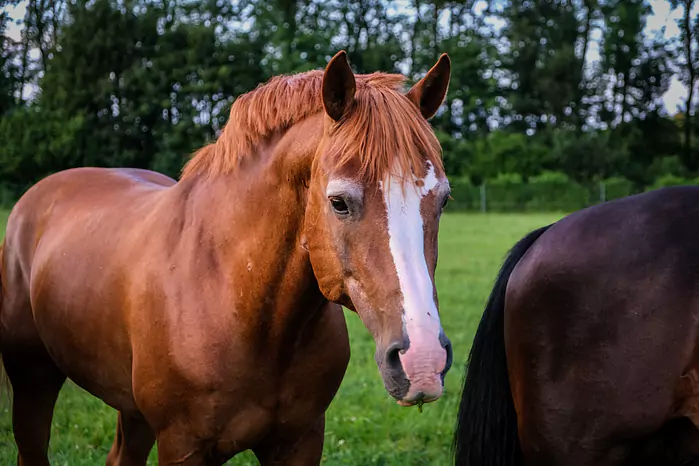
[(364, 426)]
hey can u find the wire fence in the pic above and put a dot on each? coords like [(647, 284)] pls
[(535, 197)]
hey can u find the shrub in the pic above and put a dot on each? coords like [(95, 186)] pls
[(555, 191), (669, 180), (617, 187), (465, 196)]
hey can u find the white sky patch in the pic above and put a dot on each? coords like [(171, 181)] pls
[(17, 13)]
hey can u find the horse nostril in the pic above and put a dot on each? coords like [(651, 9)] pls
[(393, 355), (446, 344), (391, 367)]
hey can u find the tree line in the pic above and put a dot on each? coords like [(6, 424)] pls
[(143, 83)]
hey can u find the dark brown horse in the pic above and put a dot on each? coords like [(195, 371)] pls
[(206, 311), (588, 350)]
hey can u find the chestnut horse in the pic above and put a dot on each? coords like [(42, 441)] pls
[(207, 311), (588, 350)]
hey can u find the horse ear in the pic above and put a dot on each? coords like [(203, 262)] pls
[(428, 93), (339, 86)]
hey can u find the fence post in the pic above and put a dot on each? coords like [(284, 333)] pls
[(483, 197), (602, 191)]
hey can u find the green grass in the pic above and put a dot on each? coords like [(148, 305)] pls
[(364, 426)]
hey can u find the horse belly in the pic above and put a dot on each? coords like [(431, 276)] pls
[(84, 334), (688, 390)]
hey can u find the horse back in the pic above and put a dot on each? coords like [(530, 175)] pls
[(602, 320), (83, 205)]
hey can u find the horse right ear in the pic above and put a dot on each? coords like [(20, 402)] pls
[(429, 93), (339, 86)]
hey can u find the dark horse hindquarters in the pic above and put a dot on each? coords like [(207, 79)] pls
[(486, 430), (587, 350)]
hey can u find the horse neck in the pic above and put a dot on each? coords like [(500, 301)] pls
[(250, 222)]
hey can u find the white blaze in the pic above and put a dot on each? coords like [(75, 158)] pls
[(407, 245)]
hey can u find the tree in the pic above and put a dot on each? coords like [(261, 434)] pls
[(689, 71), (9, 84), (545, 47)]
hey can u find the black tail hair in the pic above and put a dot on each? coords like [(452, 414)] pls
[(486, 427), (2, 245), (4, 381)]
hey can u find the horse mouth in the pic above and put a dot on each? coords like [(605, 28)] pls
[(420, 401)]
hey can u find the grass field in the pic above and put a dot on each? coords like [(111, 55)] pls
[(364, 425)]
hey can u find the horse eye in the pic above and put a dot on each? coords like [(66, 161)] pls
[(339, 206)]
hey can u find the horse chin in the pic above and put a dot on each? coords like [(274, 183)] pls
[(408, 404)]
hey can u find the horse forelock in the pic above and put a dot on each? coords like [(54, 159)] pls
[(386, 134), (383, 130)]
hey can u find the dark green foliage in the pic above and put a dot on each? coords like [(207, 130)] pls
[(145, 83), (618, 187), (549, 191)]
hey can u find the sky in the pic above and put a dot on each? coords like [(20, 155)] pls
[(673, 99), (662, 16)]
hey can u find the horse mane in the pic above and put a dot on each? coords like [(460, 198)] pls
[(382, 128)]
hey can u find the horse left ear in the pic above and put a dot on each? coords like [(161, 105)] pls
[(428, 93), (339, 86)]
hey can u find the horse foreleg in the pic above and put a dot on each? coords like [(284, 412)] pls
[(305, 450), (178, 447), (133, 442), (36, 382)]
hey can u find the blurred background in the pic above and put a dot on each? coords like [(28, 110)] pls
[(553, 104)]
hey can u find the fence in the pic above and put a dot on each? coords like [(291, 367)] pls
[(535, 197)]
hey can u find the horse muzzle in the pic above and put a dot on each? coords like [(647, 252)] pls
[(413, 371)]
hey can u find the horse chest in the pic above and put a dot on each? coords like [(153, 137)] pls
[(242, 397), (315, 371)]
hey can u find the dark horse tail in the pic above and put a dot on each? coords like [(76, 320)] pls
[(486, 428), (5, 387), (2, 244), (3, 377)]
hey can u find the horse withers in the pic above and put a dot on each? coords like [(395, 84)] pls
[(588, 350), (207, 311)]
